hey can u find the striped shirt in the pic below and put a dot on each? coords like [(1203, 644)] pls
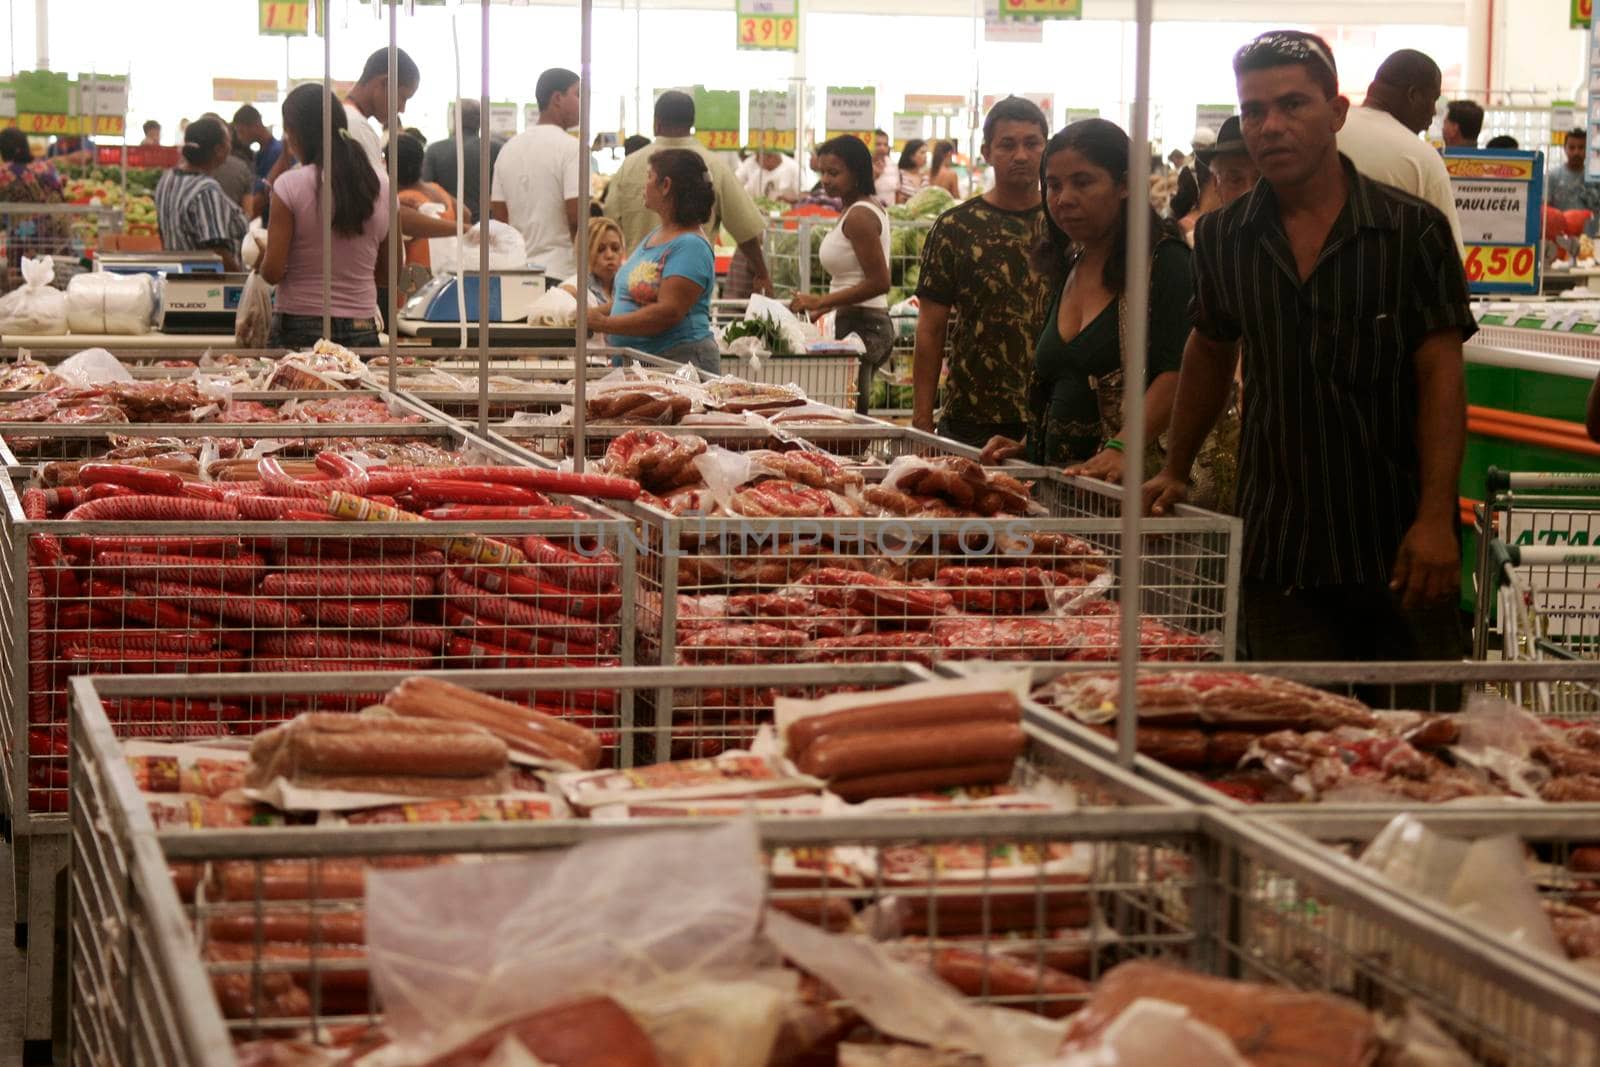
[(1329, 472), (195, 214)]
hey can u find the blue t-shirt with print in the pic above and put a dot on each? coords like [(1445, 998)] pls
[(639, 281)]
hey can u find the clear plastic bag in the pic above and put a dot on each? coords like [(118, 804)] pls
[(92, 366), (253, 323), (35, 308), (111, 303)]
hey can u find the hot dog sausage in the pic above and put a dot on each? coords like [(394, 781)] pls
[(904, 783), (880, 752), (952, 710)]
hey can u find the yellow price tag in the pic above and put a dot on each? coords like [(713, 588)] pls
[(776, 32), (106, 125), (1042, 9), (283, 16), (719, 140), (778, 140), (45, 125), (1582, 12), (1500, 264)]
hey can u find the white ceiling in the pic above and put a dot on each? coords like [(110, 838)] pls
[(1347, 12)]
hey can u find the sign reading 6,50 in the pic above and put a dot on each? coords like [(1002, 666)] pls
[(780, 32), (1499, 264)]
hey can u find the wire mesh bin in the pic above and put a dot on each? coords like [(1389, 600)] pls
[(65, 232), (826, 379), (745, 590), (166, 967), (851, 438), (1391, 767)]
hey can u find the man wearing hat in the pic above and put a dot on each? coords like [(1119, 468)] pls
[(1229, 163)]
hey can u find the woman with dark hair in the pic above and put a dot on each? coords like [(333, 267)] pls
[(416, 193), (662, 296), (360, 225), (194, 213), (940, 172), (912, 159), (25, 180), (1076, 397), (855, 254)]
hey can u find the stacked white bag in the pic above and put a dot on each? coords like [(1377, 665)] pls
[(104, 303), (34, 308)]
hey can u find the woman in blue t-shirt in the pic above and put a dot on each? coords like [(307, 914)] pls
[(661, 301)]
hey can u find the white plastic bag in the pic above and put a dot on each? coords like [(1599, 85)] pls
[(99, 302), (556, 307), (764, 307), (253, 245), (507, 250), (92, 366), (252, 323), (34, 308)]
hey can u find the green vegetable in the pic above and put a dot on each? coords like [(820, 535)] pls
[(930, 203), (762, 328)]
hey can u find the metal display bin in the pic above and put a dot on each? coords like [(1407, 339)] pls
[(825, 378), (1189, 583), (853, 438), (337, 601), (1383, 686), (1200, 889)]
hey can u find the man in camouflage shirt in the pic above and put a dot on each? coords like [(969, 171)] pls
[(975, 269)]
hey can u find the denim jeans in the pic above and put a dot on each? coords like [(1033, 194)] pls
[(702, 353), (302, 331)]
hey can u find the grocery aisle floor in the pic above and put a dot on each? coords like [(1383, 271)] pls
[(11, 975)]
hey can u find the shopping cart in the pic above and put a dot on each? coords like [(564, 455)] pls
[(1539, 578), (68, 233)]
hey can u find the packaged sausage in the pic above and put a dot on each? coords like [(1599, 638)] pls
[(209, 770), (734, 773)]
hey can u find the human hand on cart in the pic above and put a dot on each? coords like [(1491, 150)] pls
[(761, 283), (599, 318), (805, 302), (1106, 465), (1164, 492), (1000, 449), (1427, 568)]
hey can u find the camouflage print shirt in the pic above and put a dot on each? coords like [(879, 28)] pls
[(975, 262)]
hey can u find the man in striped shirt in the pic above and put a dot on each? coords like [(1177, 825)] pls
[(1352, 305)]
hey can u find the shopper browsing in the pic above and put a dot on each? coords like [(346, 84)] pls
[(418, 194), (1463, 122), (250, 132), (1568, 190), (855, 253), (1233, 172), (1381, 137), (360, 226), (885, 177), (1503, 141), (975, 270), (662, 302), (775, 176), (194, 213), (152, 134), (370, 100), (732, 207), (941, 172), (1352, 304), (439, 161), (911, 178), (536, 179), (606, 253)]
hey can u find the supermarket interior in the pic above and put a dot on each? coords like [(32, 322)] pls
[(519, 550)]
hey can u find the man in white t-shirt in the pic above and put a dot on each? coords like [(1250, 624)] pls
[(535, 186), (885, 175), (370, 100), (1381, 137), (774, 177)]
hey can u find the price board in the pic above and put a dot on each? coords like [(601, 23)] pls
[(102, 104), (853, 111), (1041, 9), (243, 90), (716, 118), (1582, 13), (1499, 197), (502, 120), (36, 125), (767, 26), (907, 126), (772, 120), (283, 18)]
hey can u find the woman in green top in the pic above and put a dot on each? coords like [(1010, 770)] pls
[(1076, 395)]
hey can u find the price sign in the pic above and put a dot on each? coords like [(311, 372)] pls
[(283, 18), (44, 125), (716, 118), (243, 90), (907, 126), (767, 26), (1041, 9), (8, 103), (1582, 13), (719, 140), (772, 120), (853, 111), (502, 120), (1499, 197)]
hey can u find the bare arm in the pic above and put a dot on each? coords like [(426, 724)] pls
[(280, 235), (413, 223), (865, 232), (1107, 463), (380, 270), (1427, 568), (678, 295), (498, 211), (1200, 396), (928, 362), (572, 217), (762, 280)]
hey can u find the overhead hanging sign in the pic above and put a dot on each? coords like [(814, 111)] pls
[(1212, 116), (502, 120), (852, 110), (1499, 197), (716, 118), (768, 25), (340, 89), (8, 103), (1002, 30), (907, 127), (935, 103), (1582, 13), (772, 120), (283, 18), (1046, 102), (1041, 9), (1080, 114), (530, 116), (243, 90), (1563, 116)]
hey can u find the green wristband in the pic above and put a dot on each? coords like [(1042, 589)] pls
[(1114, 444)]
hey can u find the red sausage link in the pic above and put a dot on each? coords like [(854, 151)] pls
[(194, 598), (153, 509), (427, 493), (144, 479), (332, 583), (489, 513), (506, 610)]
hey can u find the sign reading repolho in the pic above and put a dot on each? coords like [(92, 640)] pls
[(1499, 196)]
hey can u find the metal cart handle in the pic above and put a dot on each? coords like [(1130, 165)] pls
[(1544, 555), (1498, 479)]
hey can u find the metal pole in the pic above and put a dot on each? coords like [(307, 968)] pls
[(327, 175), (41, 34), (1137, 327), (390, 312), (638, 76), (483, 237), (580, 357)]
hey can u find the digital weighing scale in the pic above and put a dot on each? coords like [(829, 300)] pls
[(168, 263), (201, 302), (432, 312)]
